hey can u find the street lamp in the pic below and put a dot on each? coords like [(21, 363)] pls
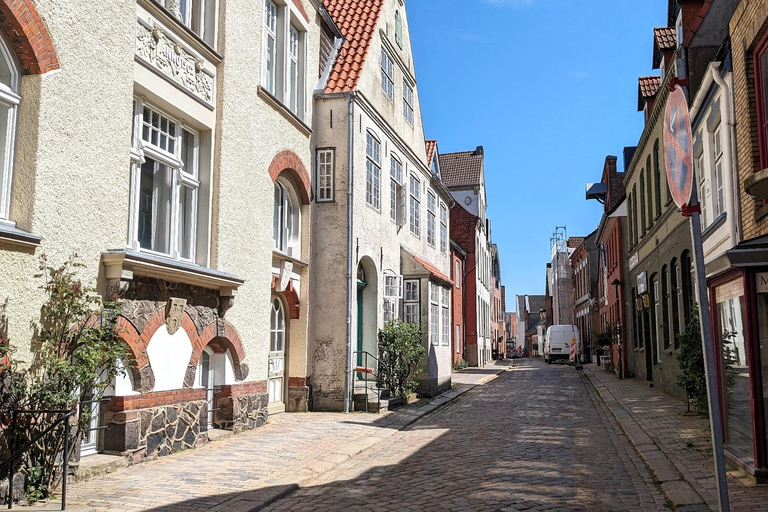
[(616, 283)]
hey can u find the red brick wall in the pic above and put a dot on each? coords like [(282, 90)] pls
[(457, 345), (463, 232), (28, 36), (156, 399)]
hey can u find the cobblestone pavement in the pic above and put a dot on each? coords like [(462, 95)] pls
[(684, 439), (535, 438)]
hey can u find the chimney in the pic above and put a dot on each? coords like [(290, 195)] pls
[(629, 152), (479, 151)]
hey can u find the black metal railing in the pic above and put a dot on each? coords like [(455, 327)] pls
[(380, 378), (17, 453)]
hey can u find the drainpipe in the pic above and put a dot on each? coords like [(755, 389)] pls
[(726, 117), (351, 285)]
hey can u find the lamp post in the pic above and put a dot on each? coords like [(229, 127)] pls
[(616, 283)]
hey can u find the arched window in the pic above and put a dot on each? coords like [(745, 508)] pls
[(635, 334), (398, 29), (676, 306), (9, 102), (665, 307), (286, 220), (657, 177), (649, 177), (643, 217)]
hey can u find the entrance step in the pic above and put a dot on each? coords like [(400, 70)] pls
[(375, 404)]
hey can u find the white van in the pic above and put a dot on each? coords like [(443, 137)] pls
[(558, 340)]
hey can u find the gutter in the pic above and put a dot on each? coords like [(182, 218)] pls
[(350, 248)]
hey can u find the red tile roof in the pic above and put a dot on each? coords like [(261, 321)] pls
[(648, 86), (461, 169), (431, 268), (431, 146), (357, 20), (665, 38)]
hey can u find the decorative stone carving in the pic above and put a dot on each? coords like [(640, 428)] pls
[(174, 310), (175, 7), (285, 275), (225, 303), (158, 50)]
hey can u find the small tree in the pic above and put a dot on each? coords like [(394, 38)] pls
[(400, 351), (692, 377), (76, 354)]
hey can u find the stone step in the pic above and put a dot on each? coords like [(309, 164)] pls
[(375, 405)]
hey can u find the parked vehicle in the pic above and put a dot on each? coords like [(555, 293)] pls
[(558, 341)]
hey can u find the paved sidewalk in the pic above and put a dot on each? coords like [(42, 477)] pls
[(675, 445), (249, 470)]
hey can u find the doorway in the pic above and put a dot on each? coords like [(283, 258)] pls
[(277, 341)]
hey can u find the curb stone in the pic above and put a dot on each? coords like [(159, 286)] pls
[(671, 482)]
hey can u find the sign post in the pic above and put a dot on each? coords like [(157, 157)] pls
[(678, 146)]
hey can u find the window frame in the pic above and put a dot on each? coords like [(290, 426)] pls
[(434, 314), (143, 150), (270, 31), (445, 319), (396, 184), (414, 205), (457, 277), (292, 244), (325, 193), (443, 228), (431, 218), (761, 96), (387, 75), (412, 300), (408, 102), (11, 98), (398, 29), (373, 171)]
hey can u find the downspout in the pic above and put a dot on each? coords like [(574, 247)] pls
[(351, 285), (727, 119)]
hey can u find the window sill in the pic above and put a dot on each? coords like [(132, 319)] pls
[(11, 235), (719, 221), (158, 267), (278, 255), (282, 109)]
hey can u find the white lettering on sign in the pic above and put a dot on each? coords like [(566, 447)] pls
[(762, 282), (642, 283), (633, 261), (159, 51)]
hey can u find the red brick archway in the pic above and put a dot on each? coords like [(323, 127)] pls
[(220, 339), (289, 163), (28, 37), (290, 296)]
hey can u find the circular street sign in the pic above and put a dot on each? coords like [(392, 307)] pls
[(678, 147)]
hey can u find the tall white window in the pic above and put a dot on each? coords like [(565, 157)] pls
[(325, 167), (284, 60), (458, 339), (165, 183), (396, 192), (445, 316), (398, 29), (443, 229), (387, 75), (718, 197), (393, 293), (415, 206), (431, 205), (434, 314), (411, 313), (701, 175), (408, 102), (9, 102), (373, 171), (197, 15), (286, 219), (270, 46), (457, 274)]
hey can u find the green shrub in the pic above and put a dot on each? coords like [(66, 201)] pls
[(400, 351), (76, 353), (692, 377), (461, 364)]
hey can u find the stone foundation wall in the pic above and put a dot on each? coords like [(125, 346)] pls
[(241, 406), (155, 431)]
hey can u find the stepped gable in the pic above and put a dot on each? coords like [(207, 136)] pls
[(357, 20)]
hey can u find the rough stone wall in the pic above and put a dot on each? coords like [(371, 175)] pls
[(748, 26), (238, 413), (156, 431)]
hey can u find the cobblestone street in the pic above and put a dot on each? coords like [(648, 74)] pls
[(537, 437)]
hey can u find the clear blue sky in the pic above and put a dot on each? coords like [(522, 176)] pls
[(549, 88)]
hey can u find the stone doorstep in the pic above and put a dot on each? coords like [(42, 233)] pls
[(673, 484)]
